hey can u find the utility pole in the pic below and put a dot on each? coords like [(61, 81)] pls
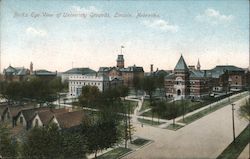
[(233, 121)]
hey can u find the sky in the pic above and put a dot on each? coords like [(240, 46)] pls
[(56, 35)]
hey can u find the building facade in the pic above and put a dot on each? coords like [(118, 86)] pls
[(102, 82)]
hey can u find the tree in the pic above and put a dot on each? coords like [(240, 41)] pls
[(89, 95), (8, 147), (137, 83), (149, 86), (101, 132), (74, 145), (244, 110), (43, 142)]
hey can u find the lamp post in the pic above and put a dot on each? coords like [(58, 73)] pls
[(233, 121)]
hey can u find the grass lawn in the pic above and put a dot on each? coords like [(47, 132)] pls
[(140, 142), (150, 122), (115, 153), (145, 105), (234, 149), (209, 110), (174, 127)]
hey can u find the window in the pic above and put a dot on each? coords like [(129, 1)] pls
[(36, 122), (21, 120)]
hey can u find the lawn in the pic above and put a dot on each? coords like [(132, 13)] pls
[(140, 142), (150, 122), (174, 127), (209, 110), (115, 153), (190, 106), (234, 149)]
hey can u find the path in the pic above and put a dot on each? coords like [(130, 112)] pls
[(204, 138)]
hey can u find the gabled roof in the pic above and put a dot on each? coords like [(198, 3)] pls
[(170, 76), (71, 119), (20, 71), (197, 74), (46, 116), (30, 113), (83, 71), (181, 64)]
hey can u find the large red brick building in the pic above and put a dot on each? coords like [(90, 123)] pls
[(191, 82)]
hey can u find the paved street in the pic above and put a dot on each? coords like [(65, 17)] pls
[(204, 138)]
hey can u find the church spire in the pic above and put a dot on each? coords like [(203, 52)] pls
[(198, 65)]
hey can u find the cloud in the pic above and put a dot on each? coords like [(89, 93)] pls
[(87, 10), (36, 32), (213, 16), (161, 25)]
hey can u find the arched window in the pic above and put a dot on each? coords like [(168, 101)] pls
[(178, 92)]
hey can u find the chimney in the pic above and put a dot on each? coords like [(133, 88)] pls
[(151, 68)]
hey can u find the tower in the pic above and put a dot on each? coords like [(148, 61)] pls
[(198, 65), (181, 83), (31, 68), (120, 61)]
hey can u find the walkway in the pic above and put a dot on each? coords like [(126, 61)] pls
[(204, 138)]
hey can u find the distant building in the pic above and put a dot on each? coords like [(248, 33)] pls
[(127, 74), (102, 82), (45, 74), (191, 82), (80, 71), (15, 73)]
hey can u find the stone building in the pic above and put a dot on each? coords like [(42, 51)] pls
[(127, 74), (102, 82)]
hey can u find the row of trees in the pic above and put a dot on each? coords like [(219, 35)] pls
[(42, 91), (43, 142), (113, 112)]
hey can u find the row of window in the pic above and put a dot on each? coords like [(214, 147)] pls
[(86, 83)]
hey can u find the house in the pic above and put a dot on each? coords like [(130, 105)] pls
[(71, 120), (102, 82), (79, 71), (25, 116), (11, 113), (42, 118), (15, 73)]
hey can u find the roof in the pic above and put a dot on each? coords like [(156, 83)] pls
[(71, 119), (44, 73), (181, 64), (220, 69), (170, 76), (30, 113), (20, 71), (83, 71), (14, 110), (132, 69), (46, 116), (197, 74)]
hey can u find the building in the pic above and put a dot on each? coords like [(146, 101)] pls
[(74, 71), (187, 82), (102, 82), (127, 74), (191, 82), (15, 73), (45, 74), (228, 78)]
